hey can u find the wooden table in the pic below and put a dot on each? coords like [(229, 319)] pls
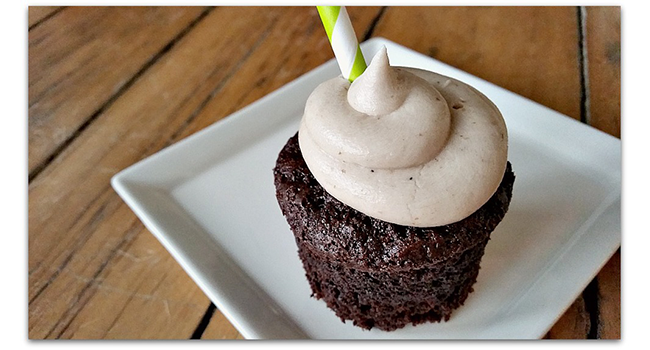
[(111, 86)]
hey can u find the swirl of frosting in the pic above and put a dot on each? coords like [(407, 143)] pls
[(404, 145)]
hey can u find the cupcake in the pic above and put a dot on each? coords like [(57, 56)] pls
[(392, 187)]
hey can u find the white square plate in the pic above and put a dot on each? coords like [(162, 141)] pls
[(210, 200)]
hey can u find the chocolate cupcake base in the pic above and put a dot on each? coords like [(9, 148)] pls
[(375, 273)]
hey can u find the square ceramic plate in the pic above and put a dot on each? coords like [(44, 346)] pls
[(210, 200)]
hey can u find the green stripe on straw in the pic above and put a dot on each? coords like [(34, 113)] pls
[(328, 15), (343, 40), (359, 65)]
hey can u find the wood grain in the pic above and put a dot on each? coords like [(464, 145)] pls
[(609, 299), (574, 323), (145, 291), (603, 36), (603, 43), (220, 328), (37, 14), (81, 58), (72, 200), (532, 51)]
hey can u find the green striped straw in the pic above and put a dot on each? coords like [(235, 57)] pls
[(343, 40)]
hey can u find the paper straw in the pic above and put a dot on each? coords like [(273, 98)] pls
[(343, 40)]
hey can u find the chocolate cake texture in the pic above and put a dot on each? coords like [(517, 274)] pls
[(375, 273)]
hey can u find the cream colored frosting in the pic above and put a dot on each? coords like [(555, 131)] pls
[(404, 145)]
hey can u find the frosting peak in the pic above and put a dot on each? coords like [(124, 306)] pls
[(379, 90), (404, 145)]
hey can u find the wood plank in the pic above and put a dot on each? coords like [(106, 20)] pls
[(135, 126), (603, 42), (220, 328), (61, 284), (82, 57), (603, 36), (532, 51), (38, 13), (609, 299), (574, 323), (71, 206), (199, 67), (144, 295)]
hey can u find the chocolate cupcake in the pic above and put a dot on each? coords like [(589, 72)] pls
[(391, 224)]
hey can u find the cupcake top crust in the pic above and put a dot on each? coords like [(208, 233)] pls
[(336, 232)]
